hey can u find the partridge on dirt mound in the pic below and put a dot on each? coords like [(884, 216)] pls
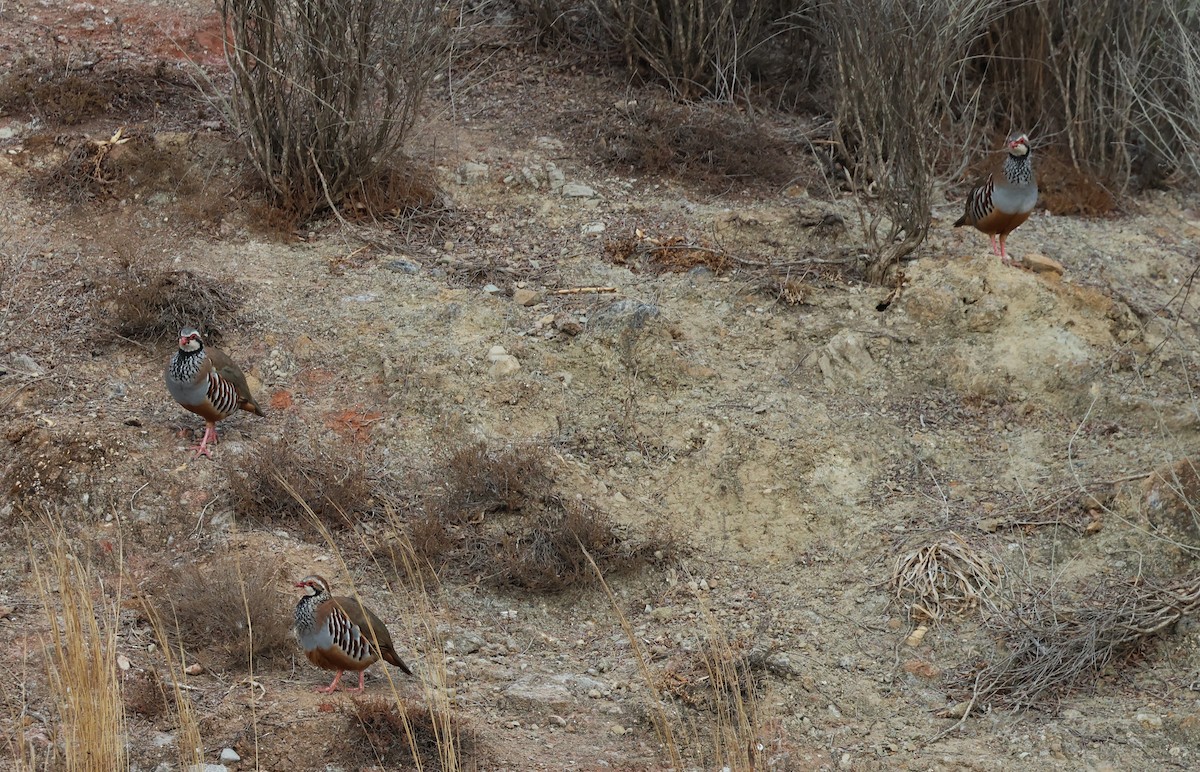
[(205, 381), (1005, 198), (340, 633)]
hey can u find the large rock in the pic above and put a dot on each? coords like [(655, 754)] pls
[(621, 315), (845, 356)]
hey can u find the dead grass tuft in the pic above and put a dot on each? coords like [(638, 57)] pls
[(150, 303), (497, 519), (64, 95), (83, 617), (945, 575), (674, 254), (333, 478), (714, 147), (108, 168), (1047, 650), (414, 736), (477, 481), (226, 614)]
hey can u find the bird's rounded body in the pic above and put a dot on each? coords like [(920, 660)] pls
[(205, 381), (339, 633), (1006, 198)]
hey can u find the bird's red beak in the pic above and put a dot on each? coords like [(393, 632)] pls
[(183, 342)]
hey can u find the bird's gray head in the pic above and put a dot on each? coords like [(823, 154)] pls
[(1018, 144), (314, 585), (189, 340)]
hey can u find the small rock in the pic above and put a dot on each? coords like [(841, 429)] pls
[(567, 324), (462, 642), (557, 720), (401, 265), (230, 755), (207, 768), (23, 364), (592, 228), (627, 313), (194, 669), (534, 694), (1148, 719), (503, 365), (618, 730), (1042, 264), (491, 289), (846, 353), (526, 297), (577, 190), (470, 173)]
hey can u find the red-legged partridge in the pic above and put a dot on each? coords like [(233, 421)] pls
[(205, 381), (1004, 200), (341, 634)]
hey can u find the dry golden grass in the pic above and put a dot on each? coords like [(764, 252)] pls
[(83, 621)]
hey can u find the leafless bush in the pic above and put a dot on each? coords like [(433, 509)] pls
[(326, 91), (1049, 649), (333, 480), (898, 75), (151, 302), (224, 615), (698, 47), (1163, 80), (496, 518), (1118, 82)]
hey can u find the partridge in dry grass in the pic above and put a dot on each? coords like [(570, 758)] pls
[(205, 381), (341, 634), (1005, 198)]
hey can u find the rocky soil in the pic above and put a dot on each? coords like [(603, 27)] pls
[(795, 430)]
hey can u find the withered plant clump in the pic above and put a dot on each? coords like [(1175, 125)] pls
[(424, 737), (495, 517), (716, 147), (227, 615), (1050, 647), (65, 93), (150, 303), (333, 479)]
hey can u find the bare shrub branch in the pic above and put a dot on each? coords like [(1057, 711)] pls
[(326, 91), (698, 47), (898, 75), (1050, 650)]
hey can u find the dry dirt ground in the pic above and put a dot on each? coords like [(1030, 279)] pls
[(796, 441)]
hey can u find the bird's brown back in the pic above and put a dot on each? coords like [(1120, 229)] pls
[(232, 373)]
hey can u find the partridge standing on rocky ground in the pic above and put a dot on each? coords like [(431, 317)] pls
[(1005, 198), (205, 381), (341, 633)]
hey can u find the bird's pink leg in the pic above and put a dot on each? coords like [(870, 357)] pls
[(330, 689), (994, 250), (210, 435), (1004, 252), (359, 690)]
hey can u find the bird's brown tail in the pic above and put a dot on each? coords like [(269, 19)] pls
[(392, 658), (961, 222)]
